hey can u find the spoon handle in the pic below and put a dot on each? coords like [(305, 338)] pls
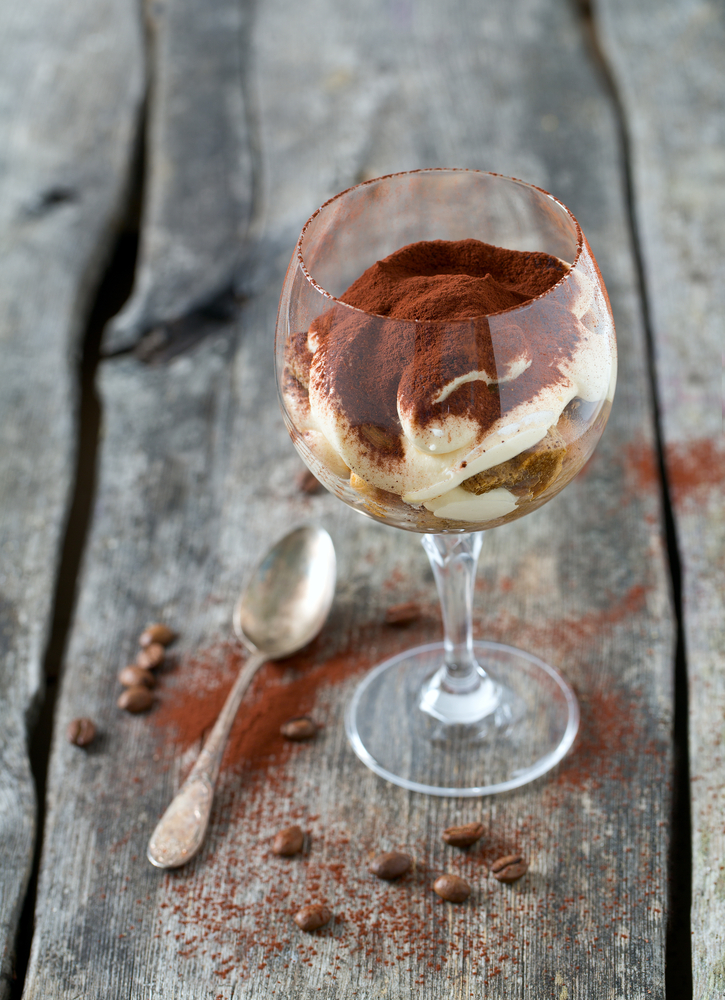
[(180, 831)]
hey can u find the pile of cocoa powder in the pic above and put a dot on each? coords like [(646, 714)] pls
[(444, 280)]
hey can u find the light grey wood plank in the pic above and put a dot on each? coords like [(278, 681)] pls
[(68, 126), (198, 192), (197, 477), (674, 115)]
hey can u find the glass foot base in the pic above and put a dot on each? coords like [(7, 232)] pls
[(526, 725)]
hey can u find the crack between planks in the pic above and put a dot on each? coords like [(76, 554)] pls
[(113, 289), (678, 947)]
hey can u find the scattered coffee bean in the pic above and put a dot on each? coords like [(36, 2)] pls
[(452, 888), (156, 633), (151, 656), (312, 917), (133, 675), (136, 699), (81, 732), (509, 868), (391, 864), (403, 614), (307, 482), (288, 841), (301, 728), (463, 836)]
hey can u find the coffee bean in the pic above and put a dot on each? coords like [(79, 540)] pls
[(136, 699), (288, 841), (307, 482), (391, 864), (81, 732), (403, 614), (463, 836), (300, 728), (133, 675), (452, 888), (151, 656), (509, 868), (156, 633), (313, 916)]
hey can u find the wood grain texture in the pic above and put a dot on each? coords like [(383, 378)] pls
[(677, 133), (197, 478), (198, 188), (64, 161)]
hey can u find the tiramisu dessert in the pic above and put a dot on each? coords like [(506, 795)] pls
[(454, 385)]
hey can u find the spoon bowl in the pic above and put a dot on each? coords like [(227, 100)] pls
[(282, 608), (290, 595)]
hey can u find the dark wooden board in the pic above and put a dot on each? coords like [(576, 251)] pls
[(677, 128), (64, 164), (197, 477)]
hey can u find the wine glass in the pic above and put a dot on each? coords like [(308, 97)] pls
[(458, 717)]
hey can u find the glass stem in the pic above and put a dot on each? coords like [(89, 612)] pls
[(453, 559)]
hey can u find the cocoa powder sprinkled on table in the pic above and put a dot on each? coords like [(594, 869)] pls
[(641, 467), (695, 468), (207, 908), (282, 690)]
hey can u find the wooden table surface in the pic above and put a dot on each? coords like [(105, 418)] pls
[(215, 130)]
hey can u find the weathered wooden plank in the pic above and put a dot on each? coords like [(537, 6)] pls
[(68, 127), (677, 130), (199, 177), (197, 478)]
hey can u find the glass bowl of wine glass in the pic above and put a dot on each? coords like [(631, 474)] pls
[(446, 363)]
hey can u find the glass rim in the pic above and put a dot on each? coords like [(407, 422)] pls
[(429, 170)]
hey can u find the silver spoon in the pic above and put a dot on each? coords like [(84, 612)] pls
[(283, 607)]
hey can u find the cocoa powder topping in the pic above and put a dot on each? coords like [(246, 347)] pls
[(371, 366), (449, 280)]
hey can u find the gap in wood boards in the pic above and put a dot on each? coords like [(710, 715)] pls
[(113, 291), (678, 948)]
